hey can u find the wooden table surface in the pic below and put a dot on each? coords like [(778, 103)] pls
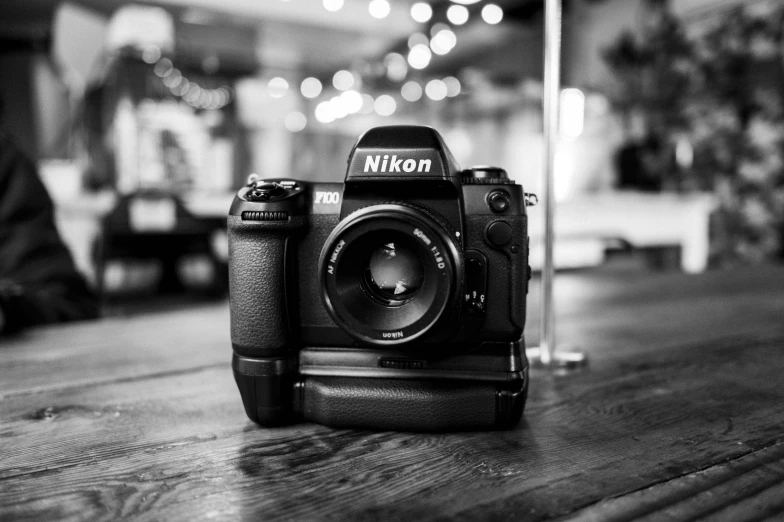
[(679, 415)]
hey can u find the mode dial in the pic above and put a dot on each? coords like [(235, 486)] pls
[(485, 175), (265, 191)]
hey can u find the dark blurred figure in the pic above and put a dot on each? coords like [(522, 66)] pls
[(38, 280), (642, 164)]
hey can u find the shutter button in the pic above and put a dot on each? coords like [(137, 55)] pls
[(499, 233)]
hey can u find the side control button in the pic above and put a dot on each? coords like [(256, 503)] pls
[(498, 201), (499, 233)]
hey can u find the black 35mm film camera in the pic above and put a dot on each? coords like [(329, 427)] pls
[(395, 300)]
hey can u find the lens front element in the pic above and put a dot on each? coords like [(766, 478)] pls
[(394, 273), (388, 273)]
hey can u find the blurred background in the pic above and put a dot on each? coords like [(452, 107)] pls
[(143, 119)]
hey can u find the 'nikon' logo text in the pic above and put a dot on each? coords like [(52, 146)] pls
[(378, 163)]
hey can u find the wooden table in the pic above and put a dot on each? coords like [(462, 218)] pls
[(680, 415)]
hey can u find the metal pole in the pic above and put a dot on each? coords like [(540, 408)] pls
[(552, 84), (546, 353)]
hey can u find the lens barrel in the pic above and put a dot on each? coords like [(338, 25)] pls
[(388, 273)]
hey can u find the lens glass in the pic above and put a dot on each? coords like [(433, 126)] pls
[(389, 273), (394, 272)]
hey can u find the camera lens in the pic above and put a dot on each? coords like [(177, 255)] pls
[(394, 273), (388, 273)]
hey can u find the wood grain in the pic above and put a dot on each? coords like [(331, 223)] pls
[(655, 427), (750, 487), (87, 353)]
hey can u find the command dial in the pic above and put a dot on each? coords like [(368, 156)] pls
[(485, 175)]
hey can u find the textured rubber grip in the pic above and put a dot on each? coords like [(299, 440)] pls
[(257, 288), (401, 405)]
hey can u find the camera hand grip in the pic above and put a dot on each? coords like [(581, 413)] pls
[(257, 288)]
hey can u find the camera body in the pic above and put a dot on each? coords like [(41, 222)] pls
[(395, 300)]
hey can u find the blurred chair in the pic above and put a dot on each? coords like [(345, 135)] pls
[(153, 240)]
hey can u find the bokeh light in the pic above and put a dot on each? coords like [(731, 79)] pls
[(452, 86), (163, 67), (385, 105), (419, 56), (411, 91), (438, 27), (277, 87), (352, 101), (368, 104), (151, 54), (378, 8), (337, 107), (417, 39), (310, 87), (324, 112), (421, 12), (397, 69), (443, 42), (193, 93), (436, 90), (457, 14), (173, 79), (333, 5), (492, 14), (343, 80), (296, 121)]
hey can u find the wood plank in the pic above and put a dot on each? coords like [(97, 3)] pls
[(179, 447), (87, 353), (750, 487)]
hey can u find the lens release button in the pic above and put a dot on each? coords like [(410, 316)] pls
[(499, 233)]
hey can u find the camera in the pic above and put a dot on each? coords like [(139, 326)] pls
[(395, 300)]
